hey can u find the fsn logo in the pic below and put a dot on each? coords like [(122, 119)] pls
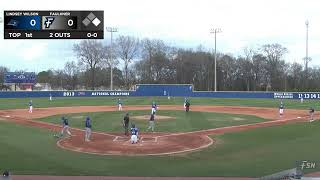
[(307, 165)]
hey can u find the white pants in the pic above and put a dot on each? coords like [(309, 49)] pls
[(65, 129), (151, 125), (87, 134), (120, 107), (50, 98), (30, 109), (184, 105), (134, 139), (280, 111), (153, 111)]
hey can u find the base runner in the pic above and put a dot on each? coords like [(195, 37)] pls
[(65, 127)]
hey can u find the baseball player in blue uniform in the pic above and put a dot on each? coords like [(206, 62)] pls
[(87, 129), (119, 105), (134, 134), (153, 107), (281, 109), (30, 106), (65, 126)]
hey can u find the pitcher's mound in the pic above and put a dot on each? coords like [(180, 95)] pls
[(156, 117)]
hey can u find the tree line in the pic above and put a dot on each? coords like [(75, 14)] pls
[(153, 61)]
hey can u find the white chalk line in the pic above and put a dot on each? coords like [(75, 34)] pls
[(211, 141)]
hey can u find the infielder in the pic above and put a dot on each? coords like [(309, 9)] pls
[(184, 103), (87, 129), (65, 126), (153, 107), (119, 105), (125, 124), (50, 97), (151, 123), (134, 134), (311, 112), (281, 109), (187, 106), (30, 106)]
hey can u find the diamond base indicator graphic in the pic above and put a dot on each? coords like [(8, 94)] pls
[(53, 25)]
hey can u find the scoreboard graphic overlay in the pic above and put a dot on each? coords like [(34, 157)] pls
[(53, 24)]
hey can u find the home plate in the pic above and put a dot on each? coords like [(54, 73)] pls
[(299, 117), (7, 116)]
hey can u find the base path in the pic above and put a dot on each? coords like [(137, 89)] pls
[(149, 143)]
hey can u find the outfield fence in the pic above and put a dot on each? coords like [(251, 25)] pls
[(182, 90)]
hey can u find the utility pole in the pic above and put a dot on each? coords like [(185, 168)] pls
[(111, 30), (215, 31)]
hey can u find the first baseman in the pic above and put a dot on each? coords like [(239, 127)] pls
[(30, 106), (65, 126), (134, 134), (87, 129), (311, 112)]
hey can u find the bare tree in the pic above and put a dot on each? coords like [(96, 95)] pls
[(127, 49), (275, 64), (91, 54), (71, 71)]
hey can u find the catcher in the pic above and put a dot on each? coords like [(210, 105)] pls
[(125, 124)]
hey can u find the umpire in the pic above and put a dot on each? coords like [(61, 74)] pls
[(126, 124)]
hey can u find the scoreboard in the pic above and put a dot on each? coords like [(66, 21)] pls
[(53, 25)]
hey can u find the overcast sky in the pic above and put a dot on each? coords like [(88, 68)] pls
[(181, 23)]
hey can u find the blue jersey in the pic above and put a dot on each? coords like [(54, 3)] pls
[(30, 103), (88, 123), (134, 131), (119, 102)]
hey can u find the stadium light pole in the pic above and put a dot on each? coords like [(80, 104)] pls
[(111, 30), (215, 31), (307, 58)]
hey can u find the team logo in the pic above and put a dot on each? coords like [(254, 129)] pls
[(48, 22), (13, 22)]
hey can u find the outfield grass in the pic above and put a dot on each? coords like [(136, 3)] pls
[(15, 103), (250, 153), (183, 122)]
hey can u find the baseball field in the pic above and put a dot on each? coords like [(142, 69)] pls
[(218, 137)]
